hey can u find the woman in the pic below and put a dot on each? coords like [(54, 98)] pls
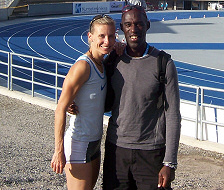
[(78, 151)]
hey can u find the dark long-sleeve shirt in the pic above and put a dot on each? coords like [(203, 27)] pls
[(137, 122)]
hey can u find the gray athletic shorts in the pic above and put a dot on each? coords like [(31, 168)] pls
[(81, 152)]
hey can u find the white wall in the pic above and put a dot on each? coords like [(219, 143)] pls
[(208, 132)]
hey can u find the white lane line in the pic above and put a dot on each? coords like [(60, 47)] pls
[(46, 40), (83, 39), (30, 36), (24, 28), (199, 72), (69, 44), (197, 78)]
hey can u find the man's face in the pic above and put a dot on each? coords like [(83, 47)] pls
[(135, 25)]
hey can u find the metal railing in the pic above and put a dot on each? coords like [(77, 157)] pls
[(203, 121), (197, 107), (200, 106), (30, 67), (199, 119)]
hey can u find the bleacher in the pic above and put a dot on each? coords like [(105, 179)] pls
[(21, 8), (25, 8)]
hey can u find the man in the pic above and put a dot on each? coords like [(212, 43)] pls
[(143, 135)]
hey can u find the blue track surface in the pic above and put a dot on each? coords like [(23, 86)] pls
[(64, 39)]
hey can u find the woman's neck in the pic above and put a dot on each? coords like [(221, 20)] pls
[(96, 58)]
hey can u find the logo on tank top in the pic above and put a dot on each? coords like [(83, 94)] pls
[(103, 86)]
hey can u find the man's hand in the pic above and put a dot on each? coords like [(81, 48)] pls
[(166, 176), (73, 109), (119, 48)]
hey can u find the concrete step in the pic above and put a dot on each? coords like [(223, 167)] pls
[(19, 15)]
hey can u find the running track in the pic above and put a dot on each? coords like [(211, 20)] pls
[(64, 39)]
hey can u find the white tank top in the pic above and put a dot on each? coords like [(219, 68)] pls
[(90, 99)]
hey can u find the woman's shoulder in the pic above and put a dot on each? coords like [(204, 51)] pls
[(81, 64), (82, 57)]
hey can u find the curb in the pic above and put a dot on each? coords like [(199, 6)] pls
[(28, 98)]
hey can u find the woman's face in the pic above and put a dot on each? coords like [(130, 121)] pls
[(102, 38)]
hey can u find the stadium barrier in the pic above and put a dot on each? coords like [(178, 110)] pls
[(15, 70), (76, 8), (50, 9), (6, 8), (199, 120)]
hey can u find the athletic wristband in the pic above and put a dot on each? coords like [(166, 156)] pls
[(170, 165)]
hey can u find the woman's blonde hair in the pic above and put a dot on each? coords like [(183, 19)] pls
[(100, 19)]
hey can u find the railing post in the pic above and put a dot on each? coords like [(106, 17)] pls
[(216, 126), (9, 70), (11, 74), (56, 83), (201, 114), (197, 111), (32, 77)]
